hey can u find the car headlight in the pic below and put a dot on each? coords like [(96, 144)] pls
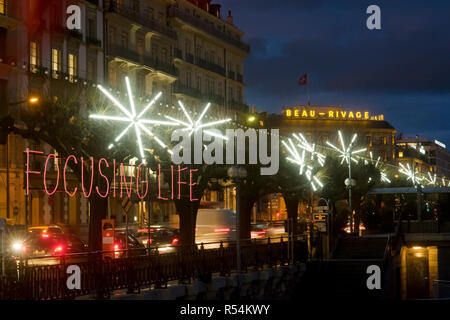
[(17, 246)]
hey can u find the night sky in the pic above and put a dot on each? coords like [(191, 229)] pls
[(402, 70)]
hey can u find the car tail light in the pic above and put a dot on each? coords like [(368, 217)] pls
[(58, 250), (222, 230), (174, 241)]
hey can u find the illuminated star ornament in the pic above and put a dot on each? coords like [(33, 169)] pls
[(346, 152), (194, 125), (383, 175), (309, 147), (431, 180), (300, 161), (410, 174), (132, 119)]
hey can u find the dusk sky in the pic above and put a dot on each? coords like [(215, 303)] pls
[(402, 70)]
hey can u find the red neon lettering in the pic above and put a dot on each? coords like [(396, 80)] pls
[(114, 178), (45, 174), (191, 184), (64, 173), (137, 183), (123, 178), (28, 151), (171, 169), (82, 177), (159, 183), (103, 176), (179, 181)]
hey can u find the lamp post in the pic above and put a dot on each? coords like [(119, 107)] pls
[(237, 174), (349, 182)]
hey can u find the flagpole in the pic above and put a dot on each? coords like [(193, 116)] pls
[(307, 89)]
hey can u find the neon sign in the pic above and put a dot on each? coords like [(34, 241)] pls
[(126, 185), (328, 113)]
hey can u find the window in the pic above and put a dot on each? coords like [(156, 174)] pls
[(188, 78), (33, 56), (400, 154), (112, 76), (2, 7), (92, 28), (151, 14), (124, 40), (239, 94), (111, 36), (140, 47), (56, 63), (135, 6), (160, 18), (72, 67), (383, 140), (91, 70)]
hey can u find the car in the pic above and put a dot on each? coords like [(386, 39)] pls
[(39, 244), (215, 225), (46, 231), (122, 243), (163, 238)]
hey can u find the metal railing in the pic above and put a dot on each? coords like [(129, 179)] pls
[(211, 29), (26, 279)]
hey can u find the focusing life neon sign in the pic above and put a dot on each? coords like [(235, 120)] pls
[(126, 181)]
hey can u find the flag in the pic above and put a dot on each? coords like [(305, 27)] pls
[(303, 80)]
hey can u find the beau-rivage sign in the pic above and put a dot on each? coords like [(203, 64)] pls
[(328, 113)]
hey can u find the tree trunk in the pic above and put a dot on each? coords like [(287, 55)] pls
[(245, 217), (292, 210), (98, 211), (187, 211)]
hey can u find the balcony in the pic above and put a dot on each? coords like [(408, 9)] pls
[(199, 24), (197, 94), (189, 91), (240, 78), (136, 17), (159, 65), (210, 66), (231, 75), (124, 53), (200, 62)]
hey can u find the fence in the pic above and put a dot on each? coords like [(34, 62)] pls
[(31, 280)]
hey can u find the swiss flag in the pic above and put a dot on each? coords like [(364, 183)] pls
[(303, 80)]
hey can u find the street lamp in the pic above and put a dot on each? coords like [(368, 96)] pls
[(237, 174)]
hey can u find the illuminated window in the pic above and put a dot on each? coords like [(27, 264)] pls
[(112, 74), (400, 154), (2, 7), (56, 63), (33, 56), (72, 67)]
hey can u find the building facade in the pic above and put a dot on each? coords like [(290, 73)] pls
[(428, 156), (184, 49)]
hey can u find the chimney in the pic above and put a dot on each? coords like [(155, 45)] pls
[(230, 17)]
